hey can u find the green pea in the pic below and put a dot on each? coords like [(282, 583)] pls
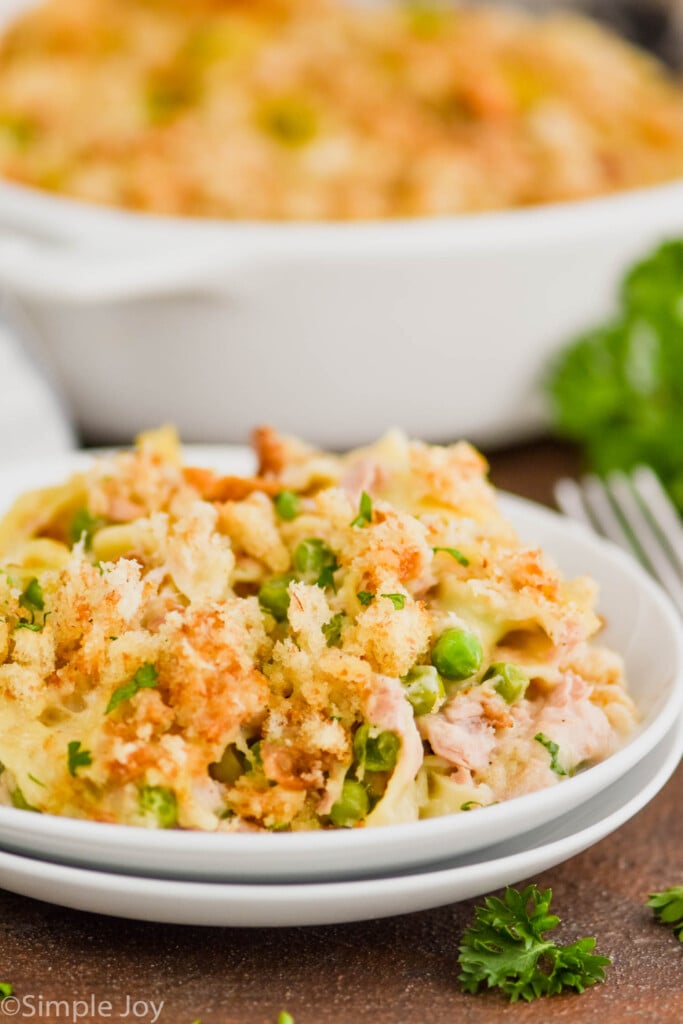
[(273, 596), (457, 654), (287, 505), (424, 689), (352, 806), (510, 680), (315, 561), (375, 753), (160, 801), (311, 555)]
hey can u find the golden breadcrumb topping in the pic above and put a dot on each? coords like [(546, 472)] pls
[(317, 109), (335, 641)]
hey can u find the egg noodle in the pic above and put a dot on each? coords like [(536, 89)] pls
[(336, 641)]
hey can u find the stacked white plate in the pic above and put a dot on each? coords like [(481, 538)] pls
[(266, 879)]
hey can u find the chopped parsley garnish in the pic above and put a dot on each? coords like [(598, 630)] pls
[(364, 517), (146, 678), (553, 750), (32, 598), (77, 758), (287, 505), (668, 908), (454, 553), (284, 1018), (20, 802), (398, 600), (37, 781), (254, 757), (507, 948), (84, 524), (365, 597), (470, 805), (332, 629), (6, 989)]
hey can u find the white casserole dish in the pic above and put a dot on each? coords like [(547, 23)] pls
[(332, 331)]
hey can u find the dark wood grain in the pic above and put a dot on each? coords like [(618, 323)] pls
[(381, 972)]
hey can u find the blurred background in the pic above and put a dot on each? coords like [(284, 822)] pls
[(477, 319)]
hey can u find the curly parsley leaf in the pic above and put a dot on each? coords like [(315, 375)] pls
[(364, 517), (668, 908), (618, 389), (33, 600), (332, 630), (32, 597), (77, 757), (84, 525), (454, 553), (146, 678), (553, 750), (506, 948), (20, 802)]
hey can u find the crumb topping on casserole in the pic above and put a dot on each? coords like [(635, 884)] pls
[(319, 109), (337, 641)]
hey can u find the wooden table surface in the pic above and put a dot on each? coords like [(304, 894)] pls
[(390, 971)]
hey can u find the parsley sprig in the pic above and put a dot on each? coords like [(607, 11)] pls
[(507, 948), (668, 908), (618, 388), (77, 757), (454, 553), (33, 601), (332, 630), (364, 517), (553, 749), (145, 678)]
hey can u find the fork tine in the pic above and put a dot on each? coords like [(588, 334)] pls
[(589, 503), (648, 537), (607, 520), (636, 514), (661, 510), (570, 500)]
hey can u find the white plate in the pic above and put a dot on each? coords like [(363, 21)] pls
[(641, 624), (251, 906)]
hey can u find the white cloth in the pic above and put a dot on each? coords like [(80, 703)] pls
[(33, 421)]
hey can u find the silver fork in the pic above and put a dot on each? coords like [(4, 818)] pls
[(635, 512)]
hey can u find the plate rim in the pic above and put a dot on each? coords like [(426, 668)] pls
[(271, 845), (325, 902)]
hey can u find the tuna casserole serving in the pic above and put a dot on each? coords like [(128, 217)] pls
[(315, 109), (337, 641)]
